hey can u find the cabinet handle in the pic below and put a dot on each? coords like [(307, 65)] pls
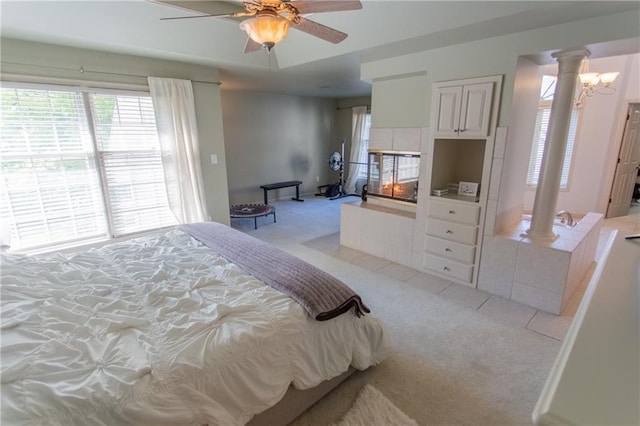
[(463, 130), (447, 249), (446, 268), (452, 212), (449, 231)]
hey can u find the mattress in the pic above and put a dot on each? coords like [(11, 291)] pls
[(160, 330)]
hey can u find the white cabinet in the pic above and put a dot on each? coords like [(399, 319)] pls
[(459, 149), (450, 243), (463, 110)]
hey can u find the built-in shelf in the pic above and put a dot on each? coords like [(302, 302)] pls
[(456, 160)]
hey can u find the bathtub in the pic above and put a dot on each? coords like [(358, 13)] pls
[(557, 221)]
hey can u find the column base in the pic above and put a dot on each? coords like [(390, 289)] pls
[(540, 236)]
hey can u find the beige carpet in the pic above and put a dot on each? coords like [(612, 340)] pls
[(450, 365), (373, 408)]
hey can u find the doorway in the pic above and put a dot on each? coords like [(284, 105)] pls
[(621, 198)]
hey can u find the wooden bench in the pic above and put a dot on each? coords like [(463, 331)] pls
[(279, 185)]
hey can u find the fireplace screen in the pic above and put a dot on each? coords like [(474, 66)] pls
[(394, 175)]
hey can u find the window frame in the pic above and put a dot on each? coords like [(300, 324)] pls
[(98, 168), (545, 103), (364, 171)]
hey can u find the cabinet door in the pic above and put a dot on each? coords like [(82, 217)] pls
[(464, 234), (444, 248), (454, 212), (448, 119), (476, 110), (448, 267)]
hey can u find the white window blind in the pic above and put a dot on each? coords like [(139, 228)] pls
[(49, 187), (52, 189), (131, 164), (537, 149)]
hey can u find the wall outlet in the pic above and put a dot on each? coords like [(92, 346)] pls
[(214, 159), (317, 178)]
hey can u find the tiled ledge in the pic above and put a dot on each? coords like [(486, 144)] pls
[(540, 274)]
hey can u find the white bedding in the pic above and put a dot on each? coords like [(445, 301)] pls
[(160, 330)]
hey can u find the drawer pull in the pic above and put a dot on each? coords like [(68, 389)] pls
[(452, 212), (449, 231), (446, 268), (447, 250)]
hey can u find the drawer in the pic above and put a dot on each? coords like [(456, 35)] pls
[(452, 231), (448, 267), (456, 251), (454, 212)]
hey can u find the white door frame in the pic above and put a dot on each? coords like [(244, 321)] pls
[(615, 154), (612, 160)]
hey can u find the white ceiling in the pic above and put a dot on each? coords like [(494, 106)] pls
[(301, 64)]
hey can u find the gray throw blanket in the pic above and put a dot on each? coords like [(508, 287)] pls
[(322, 295)]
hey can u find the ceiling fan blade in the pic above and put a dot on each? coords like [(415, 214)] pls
[(251, 46), (221, 15), (319, 30), (203, 7), (317, 6)]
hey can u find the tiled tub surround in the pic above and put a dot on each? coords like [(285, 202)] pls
[(540, 274)]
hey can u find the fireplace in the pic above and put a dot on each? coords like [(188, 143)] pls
[(393, 175)]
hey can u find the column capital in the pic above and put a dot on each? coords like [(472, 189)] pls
[(575, 53)]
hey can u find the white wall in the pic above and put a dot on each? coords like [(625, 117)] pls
[(524, 106), (400, 102), (44, 62), (402, 85), (597, 143)]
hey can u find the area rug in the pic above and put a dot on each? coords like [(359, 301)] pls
[(372, 408)]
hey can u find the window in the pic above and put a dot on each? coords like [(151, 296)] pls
[(79, 165), (540, 133), (362, 171)]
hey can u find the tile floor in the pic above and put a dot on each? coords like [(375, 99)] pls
[(554, 326), (495, 306)]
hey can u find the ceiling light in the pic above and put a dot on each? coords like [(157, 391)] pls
[(608, 77), (593, 82), (266, 28)]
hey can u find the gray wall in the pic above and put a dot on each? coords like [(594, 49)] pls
[(61, 65), (273, 137)]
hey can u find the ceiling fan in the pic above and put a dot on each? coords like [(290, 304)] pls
[(269, 20)]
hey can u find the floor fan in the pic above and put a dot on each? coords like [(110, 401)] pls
[(336, 163)]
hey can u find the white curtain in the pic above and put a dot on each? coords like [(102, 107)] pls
[(358, 156), (177, 129)]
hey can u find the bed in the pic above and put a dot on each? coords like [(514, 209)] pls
[(164, 330)]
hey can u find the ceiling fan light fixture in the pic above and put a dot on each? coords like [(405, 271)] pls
[(266, 28)]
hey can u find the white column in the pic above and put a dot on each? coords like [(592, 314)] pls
[(544, 206)]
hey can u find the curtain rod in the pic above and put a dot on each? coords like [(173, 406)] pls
[(82, 70), (353, 106)]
